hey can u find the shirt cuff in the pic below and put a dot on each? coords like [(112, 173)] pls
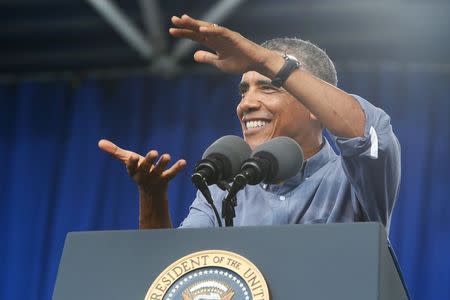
[(367, 144)]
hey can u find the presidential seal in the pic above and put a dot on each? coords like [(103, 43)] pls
[(210, 275)]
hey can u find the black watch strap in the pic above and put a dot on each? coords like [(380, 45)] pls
[(290, 64)]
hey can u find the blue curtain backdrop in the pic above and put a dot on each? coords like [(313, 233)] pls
[(54, 179)]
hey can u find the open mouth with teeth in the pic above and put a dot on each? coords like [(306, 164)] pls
[(256, 124)]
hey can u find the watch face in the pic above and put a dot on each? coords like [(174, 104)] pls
[(291, 63), (292, 58)]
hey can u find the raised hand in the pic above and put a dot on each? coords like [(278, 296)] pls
[(150, 175), (233, 52), (152, 179)]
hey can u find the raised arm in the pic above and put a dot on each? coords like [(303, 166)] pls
[(152, 179), (338, 111)]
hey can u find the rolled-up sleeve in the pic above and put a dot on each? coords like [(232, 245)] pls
[(372, 164), (200, 214)]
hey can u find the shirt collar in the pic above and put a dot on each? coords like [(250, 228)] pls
[(310, 166), (318, 160)]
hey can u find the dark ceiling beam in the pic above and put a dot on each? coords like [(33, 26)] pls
[(347, 7), (152, 19), (124, 26), (73, 57), (377, 44), (55, 25), (216, 14)]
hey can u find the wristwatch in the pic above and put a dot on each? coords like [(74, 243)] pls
[(290, 64)]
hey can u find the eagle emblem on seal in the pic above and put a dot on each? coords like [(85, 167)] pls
[(208, 290)]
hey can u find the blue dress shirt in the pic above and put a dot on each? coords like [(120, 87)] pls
[(360, 184)]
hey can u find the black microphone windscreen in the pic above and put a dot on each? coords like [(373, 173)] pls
[(233, 148), (285, 153)]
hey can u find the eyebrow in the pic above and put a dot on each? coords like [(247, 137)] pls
[(243, 85)]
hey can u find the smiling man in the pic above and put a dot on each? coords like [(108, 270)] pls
[(266, 111), (288, 88)]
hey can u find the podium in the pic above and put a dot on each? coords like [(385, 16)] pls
[(317, 261)]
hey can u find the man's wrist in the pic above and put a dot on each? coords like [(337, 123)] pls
[(291, 63), (153, 209), (271, 64), (152, 192)]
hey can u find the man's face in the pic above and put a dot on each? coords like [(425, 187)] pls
[(266, 112)]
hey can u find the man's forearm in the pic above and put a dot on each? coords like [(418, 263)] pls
[(338, 111), (154, 210)]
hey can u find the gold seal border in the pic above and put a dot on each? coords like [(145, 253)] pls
[(211, 258)]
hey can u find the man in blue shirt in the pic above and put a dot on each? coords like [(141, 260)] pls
[(288, 88)]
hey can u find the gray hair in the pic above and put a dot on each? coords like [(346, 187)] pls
[(313, 59)]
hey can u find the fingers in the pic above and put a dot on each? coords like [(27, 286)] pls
[(108, 146), (194, 29), (212, 30), (174, 170), (132, 165), (205, 57), (186, 33), (198, 25), (161, 164), (189, 23), (136, 163), (147, 163), (116, 151), (195, 22), (157, 170)]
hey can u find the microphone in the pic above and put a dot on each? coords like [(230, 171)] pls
[(222, 160), (272, 162)]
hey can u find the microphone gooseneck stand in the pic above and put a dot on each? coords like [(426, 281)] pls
[(252, 174), (228, 204), (202, 186)]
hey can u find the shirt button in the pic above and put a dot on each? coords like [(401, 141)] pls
[(282, 198)]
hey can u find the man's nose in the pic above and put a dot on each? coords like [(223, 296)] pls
[(249, 102)]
